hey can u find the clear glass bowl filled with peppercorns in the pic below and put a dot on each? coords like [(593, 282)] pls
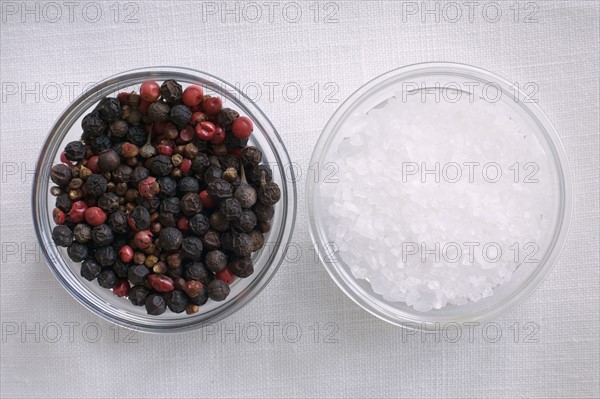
[(160, 199)]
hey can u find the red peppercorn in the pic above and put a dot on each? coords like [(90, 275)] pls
[(161, 283), (63, 159), (77, 211), (192, 95), (219, 136), (149, 91), (92, 164), (164, 148), (142, 239), (148, 187), (225, 275), (126, 254), (205, 130), (207, 200), (121, 288), (187, 134), (183, 223), (185, 166), (197, 117), (242, 127), (95, 216), (123, 98), (144, 105), (212, 105), (59, 216)]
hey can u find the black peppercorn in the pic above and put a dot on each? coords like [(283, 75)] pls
[(269, 193), (191, 204), (233, 142), (199, 224), (151, 204), (226, 117), (118, 128), (107, 278), (95, 185), (191, 248), (139, 218), (200, 163), (170, 204), (212, 172), (215, 261), (241, 267), (180, 115), (99, 143), (211, 240), (218, 290), (62, 235), (138, 294), (242, 244), (109, 202), (167, 219), (108, 160), (218, 221), (82, 233), (258, 240), (227, 240), (188, 185), (177, 301), (77, 252), (246, 222), (118, 222), (121, 268), (246, 195), (75, 151), (122, 174), (171, 91), (106, 256), (263, 212), (102, 235), (158, 112), (136, 135), (161, 165), (139, 174), (197, 271), (63, 202), (170, 239), (155, 304), (255, 173), (137, 274), (90, 269), (231, 208), (168, 186), (61, 174), (108, 109), (219, 189), (200, 299), (251, 156), (93, 125)]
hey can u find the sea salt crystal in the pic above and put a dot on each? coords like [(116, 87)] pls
[(408, 233)]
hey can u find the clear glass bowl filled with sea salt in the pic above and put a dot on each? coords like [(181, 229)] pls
[(446, 197)]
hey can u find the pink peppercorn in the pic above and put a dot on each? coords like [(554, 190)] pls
[(95, 216), (142, 239)]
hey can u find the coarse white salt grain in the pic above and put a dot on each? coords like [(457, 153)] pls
[(435, 202)]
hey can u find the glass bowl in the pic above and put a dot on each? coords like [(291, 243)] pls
[(119, 310), (449, 79)]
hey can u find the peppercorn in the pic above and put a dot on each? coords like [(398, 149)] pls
[(142, 239), (254, 173), (242, 244), (75, 151), (137, 274), (180, 115), (108, 109), (107, 278), (219, 222), (167, 219), (188, 184), (215, 261), (90, 269), (158, 112), (251, 156), (61, 174), (200, 163), (246, 195), (264, 227), (241, 267), (133, 116), (121, 268), (106, 256), (77, 252), (62, 235), (199, 300), (99, 143), (102, 235), (230, 175), (63, 202), (171, 91), (199, 224), (75, 183), (191, 248), (82, 233), (121, 288), (155, 304), (191, 309), (219, 189), (139, 258), (170, 204), (55, 191), (93, 125), (212, 105), (197, 271), (138, 294), (170, 239), (218, 290), (190, 204), (177, 301), (95, 185), (212, 173), (231, 208), (268, 193), (226, 117), (263, 212), (149, 187), (258, 240), (108, 160), (139, 218), (174, 260), (160, 282), (159, 267), (246, 222), (118, 128), (234, 142), (118, 222), (161, 165), (136, 135), (211, 240), (109, 202)]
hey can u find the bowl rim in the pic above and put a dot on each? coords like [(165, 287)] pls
[(75, 110), (346, 282)]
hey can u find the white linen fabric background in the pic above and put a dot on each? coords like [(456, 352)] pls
[(301, 337)]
